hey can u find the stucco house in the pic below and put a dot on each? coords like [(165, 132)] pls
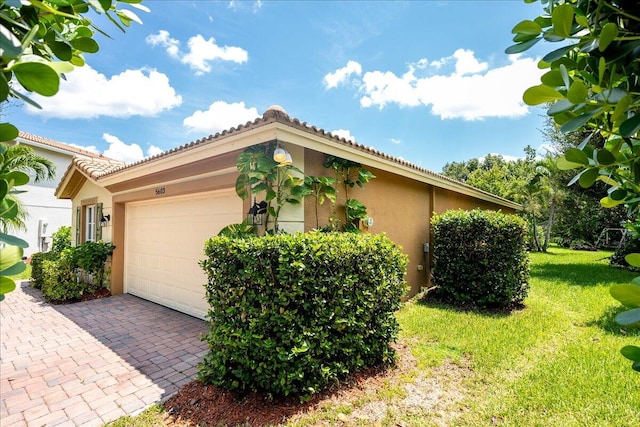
[(46, 213), (158, 212)]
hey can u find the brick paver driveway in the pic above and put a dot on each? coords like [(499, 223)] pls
[(91, 362)]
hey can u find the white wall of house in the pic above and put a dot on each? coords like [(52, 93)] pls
[(41, 204)]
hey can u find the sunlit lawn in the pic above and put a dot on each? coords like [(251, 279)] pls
[(554, 363)]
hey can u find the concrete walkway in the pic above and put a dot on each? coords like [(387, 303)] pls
[(91, 362)]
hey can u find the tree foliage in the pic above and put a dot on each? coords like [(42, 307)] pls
[(42, 40), (39, 42), (592, 84)]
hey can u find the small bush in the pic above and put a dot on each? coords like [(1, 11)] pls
[(60, 282), (37, 271), (291, 314), (61, 240), (480, 259)]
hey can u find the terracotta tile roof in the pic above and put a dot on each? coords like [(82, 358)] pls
[(97, 167), (278, 114), (56, 144)]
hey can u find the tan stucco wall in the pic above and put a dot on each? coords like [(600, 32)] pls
[(399, 207)]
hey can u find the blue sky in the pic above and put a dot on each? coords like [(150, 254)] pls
[(427, 81)]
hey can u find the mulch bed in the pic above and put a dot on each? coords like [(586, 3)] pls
[(100, 293), (207, 405)]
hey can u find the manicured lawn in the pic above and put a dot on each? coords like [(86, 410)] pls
[(554, 363)]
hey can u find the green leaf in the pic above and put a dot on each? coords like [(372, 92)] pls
[(621, 109), (16, 178), (85, 44), (10, 46), (527, 27), (576, 156), (588, 177), (607, 202), (61, 50), (563, 164), (242, 182), (604, 157), (630, 127), (13, 240), (537, 95), (9, 256), (577, 93), (521, 47), (557, 54), (633, 260), (15, 269), (37, 77), (607, 35), (627, 294), (631, 352), (629, 318), (562, 20), (8, 209), (8, 132), (6, 285), (618, 194), (552, 78), (580, 121)]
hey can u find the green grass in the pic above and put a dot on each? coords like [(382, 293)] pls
[(554, 363)]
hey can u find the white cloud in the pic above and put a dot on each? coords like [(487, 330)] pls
[(90, 148), (152, 150), (201, 52), (344, 133), (220, 116), (128, 153), (395, 141), (471, 90), (341, 75), (87, 93)]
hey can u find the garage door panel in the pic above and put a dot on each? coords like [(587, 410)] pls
[(164, 241)]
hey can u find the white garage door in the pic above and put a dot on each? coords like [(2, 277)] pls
[(164, 240)]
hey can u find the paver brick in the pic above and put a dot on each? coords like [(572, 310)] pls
[(68, 365)]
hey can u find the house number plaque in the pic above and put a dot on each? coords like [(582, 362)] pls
[(160, 191)]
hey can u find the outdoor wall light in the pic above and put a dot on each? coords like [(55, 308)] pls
[(280, 155), (104, 221), (255, 216)]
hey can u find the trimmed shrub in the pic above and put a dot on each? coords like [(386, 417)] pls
[(60, 282), (291, 314), (480, 259), (37, 271)]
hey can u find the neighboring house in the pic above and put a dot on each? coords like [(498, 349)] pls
[(46, 213), (158, 212)]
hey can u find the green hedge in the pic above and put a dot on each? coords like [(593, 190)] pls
[(291, 314), (72, 272), (37, 271), (480, 259)]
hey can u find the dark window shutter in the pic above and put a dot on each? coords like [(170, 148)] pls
[(78, 225), (98, 218)]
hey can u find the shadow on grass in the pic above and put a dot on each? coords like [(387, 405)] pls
[(580, 274), (607, 322), (432, 301)]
